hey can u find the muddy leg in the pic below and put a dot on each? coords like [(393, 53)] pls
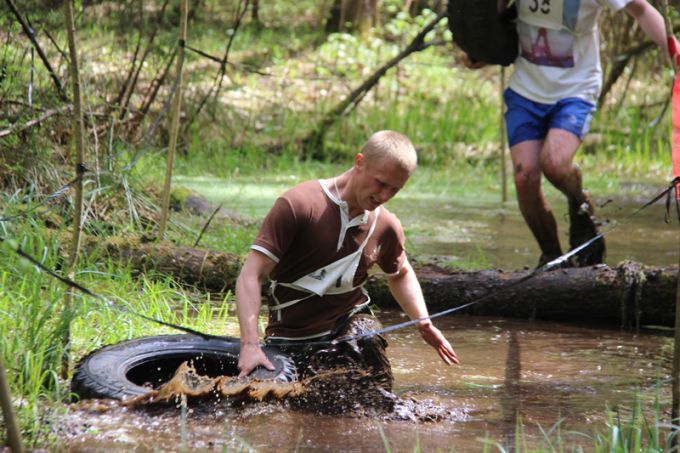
[(371, 351), (350, 375), (532, 203), (557, 165), (368, 354)]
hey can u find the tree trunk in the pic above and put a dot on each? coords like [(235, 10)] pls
[(78, 134), (174, 125), (205, 269), (78, 127), (312, 144), (255, 12), (351, 15), (630, 295)]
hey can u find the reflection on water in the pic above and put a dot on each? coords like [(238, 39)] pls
[(537, 371)]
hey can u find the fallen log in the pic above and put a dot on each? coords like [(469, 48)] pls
[(630, 295), (183, 199), (205, 269), (36, 121)]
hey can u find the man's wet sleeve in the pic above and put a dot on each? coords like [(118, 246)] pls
[(277, 230), (392, 252)]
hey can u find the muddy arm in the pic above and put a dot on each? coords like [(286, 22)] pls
[(256, 269)]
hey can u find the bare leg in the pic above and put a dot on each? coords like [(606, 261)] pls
[(557, 155), (532, 203), (556, 161)]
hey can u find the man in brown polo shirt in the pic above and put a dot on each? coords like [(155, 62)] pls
[(317, 244)]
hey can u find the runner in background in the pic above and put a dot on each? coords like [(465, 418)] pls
[(550, 101)]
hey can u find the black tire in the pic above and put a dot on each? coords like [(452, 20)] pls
[(132, 368)]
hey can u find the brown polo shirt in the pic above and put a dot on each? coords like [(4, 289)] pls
[(304, 232)]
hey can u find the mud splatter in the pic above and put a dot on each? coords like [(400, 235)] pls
[(339, 391)]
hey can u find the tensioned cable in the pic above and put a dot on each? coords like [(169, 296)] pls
[(347, 338), (111, 304)]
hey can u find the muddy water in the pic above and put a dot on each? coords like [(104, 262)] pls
[(545, 373), (490, 234), (482, 232), (538, 373)]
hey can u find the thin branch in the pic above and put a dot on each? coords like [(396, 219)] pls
[(31, 36), (312, 144), (174, 121), (621, 61), (205, 227), (126, 85), (9, 415), (78, 134), (36, 121), (204, 54), (219, 61), (217, 84), (168, 102), (223, 67), (156, 84), (619, 66), (131, 83), (55, 44)]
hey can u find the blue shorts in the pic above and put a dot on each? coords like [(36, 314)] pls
[(529, 120)]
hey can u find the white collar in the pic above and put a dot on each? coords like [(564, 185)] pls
[(345, 222)]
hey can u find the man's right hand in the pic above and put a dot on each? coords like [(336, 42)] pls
[(250, 357)]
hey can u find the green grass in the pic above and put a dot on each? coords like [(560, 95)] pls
[(472, 261), (33, 321), (639, 429)]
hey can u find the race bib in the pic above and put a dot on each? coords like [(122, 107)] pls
[(550, 10), (551, 14)]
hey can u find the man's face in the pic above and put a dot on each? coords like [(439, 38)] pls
[(378, 182)]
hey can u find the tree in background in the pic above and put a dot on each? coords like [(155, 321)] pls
[(353, 15)]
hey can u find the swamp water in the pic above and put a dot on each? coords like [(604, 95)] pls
[(545, 373), (482, 232), (550, 377)]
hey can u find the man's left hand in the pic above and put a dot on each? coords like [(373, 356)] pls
[(435, 338)]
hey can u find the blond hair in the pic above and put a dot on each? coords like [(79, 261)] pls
[(390, 145)]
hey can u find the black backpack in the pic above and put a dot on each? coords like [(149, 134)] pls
[(483, 33)]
